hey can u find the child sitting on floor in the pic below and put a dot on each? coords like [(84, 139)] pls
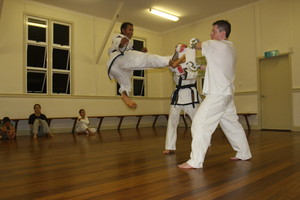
[(82, 124), (7, 129)]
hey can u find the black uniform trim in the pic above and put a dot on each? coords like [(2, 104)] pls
[(174, 100), (112, 62)]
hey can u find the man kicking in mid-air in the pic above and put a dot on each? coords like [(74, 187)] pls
[(124, 60)]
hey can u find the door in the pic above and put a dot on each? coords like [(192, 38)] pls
[(275, 90)]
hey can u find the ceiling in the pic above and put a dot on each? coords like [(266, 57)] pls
[(136, 11)]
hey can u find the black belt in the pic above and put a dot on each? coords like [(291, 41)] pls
[(112, 62), (178, 87)]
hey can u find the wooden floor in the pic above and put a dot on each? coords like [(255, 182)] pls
[(128, 164)]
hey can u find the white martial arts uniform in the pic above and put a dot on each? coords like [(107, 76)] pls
[(82, 125), (123, 61), (185, 98), (218, 105)]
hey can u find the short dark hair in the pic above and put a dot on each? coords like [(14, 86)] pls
[(6, 119), (223, 25), (36, 105), (81, 110), (125, 24)]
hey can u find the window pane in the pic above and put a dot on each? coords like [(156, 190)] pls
[(36, 82), (138, 88), (61, 34), (61, 59), (139, 73), (138, 44), (36, 56), (61, 83), (37, 34), (37, 30), (118, 87)]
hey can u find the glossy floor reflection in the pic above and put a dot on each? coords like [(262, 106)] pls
[(129, 164)]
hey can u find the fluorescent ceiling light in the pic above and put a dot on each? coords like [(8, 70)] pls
[(163, 14), (36, 24)]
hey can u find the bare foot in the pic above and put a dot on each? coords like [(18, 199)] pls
[(50, 135), (185, 166), (128, 101), (175, 63), (237, 159), (168, 152), (34, 136)]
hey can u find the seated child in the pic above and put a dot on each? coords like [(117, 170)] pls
[(7, 129), (82, 124)]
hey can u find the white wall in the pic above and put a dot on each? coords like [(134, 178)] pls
[(279, 31), (296, 114), (11, 48), (91, 87), (243, 36), (256, 28), (295, 43)]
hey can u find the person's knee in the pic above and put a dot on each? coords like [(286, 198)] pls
[(44, 123)]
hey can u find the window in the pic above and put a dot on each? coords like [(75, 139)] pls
[(138, 79), (61, 59), (36, 56), (48, 56), (138, 89), (36, 81), (61, 83), (61, 34), (37, 29)]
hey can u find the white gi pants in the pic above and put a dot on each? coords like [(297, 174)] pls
[(213, 110), (173, 122), (81, 127), (124, 66)]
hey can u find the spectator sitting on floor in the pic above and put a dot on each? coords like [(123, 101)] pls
[(83, 122), (7, 129), (38, 123)]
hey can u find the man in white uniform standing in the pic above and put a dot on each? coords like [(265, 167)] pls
[(185, 97), (124, 60), (218, 105)]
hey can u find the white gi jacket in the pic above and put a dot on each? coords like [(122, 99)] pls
[(82, 124), (219, 74), (114, 51), (186, 89)]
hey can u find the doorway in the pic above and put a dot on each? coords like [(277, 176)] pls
[(275, 93)]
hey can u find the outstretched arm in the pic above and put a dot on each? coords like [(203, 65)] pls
[(203, 67), (195, 43), (198, 45)]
